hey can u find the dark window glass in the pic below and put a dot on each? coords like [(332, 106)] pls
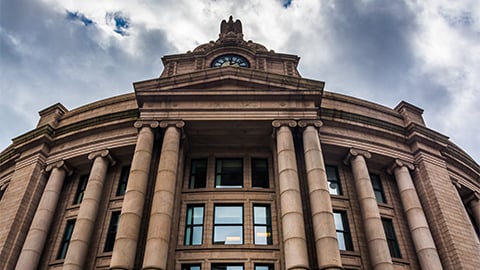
[(228, 224), (263, 266), (82, 185), (343, 231), (260, 173), (2, 191), (67, 235), (334, 186), (377, 188), (122, 182), (227, 266), (198, 173), (191, 267), (112, 231), (391, 238), (194, 225), (262, 223), (229, 173)]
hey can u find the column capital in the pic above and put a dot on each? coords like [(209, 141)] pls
[(305, 123), (279, 123), (146, 123), (398, 163), (176, 123), (60, 165), (353, 152), (104, 154)]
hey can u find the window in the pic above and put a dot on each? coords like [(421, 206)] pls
[(228, 224), (227, 266), (263, 266), (262, 223), (343, 231), (82, 185), (260, 173), (391, 238), (112, 232), (122, 182), (198, 173), (194, 225), (334, 186), (229, 173), (191, 267), (377, 188), (2, 191), (67, 235)]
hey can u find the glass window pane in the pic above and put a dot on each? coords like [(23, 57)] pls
[(197, 235), (122, 182), (260, 215), (333, 180), (226, 267), (198, 215), (229, 173), (260, 173), (338, 221), (263, 267), (198, 173), (263, 235), (228, 235), (228, 215), (341, 241)]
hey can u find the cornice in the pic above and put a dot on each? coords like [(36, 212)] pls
[(217, 74)]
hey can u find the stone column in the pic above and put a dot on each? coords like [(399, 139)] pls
[(474, 205), (380, 258), (37, 235), (293, 227), (124, 250), (87, 214), (158, 237), (417, 223), (328, 253)]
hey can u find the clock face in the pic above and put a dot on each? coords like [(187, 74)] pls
[(232, 60)]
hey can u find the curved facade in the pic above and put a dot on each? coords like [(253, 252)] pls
[(231, 160)]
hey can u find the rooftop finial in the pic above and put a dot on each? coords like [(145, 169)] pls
[(231, 28)]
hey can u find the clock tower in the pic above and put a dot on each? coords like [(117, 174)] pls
[(230, 49)]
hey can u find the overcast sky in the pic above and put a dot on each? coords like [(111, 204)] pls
[(76, 52)]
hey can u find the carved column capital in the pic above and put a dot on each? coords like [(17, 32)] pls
[(145, 123), (305, 123), (60, 165), (398, 163), (353, 152), (176, 123), (279, 123), (104, 154)]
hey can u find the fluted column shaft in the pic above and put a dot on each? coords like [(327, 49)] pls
[(124, 250), (474, 205), (417, 222), (87, 214), (158, 238), (293, 228), (37, 235), (328, 253), (380, 258)]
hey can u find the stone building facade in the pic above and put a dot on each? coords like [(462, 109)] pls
[(231, 160)]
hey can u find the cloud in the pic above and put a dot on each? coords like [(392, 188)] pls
[(76, 52)]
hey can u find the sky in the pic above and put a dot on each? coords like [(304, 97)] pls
[(75, 52)]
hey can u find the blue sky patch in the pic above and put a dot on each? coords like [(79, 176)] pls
[(286, 3), (77, 16), (121, 22)]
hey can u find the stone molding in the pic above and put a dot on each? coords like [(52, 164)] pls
[(104, 154), (176, 123), (279, 123), (145, 123), (60, 165), (398, 163), (353, 152), (305, 123)]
